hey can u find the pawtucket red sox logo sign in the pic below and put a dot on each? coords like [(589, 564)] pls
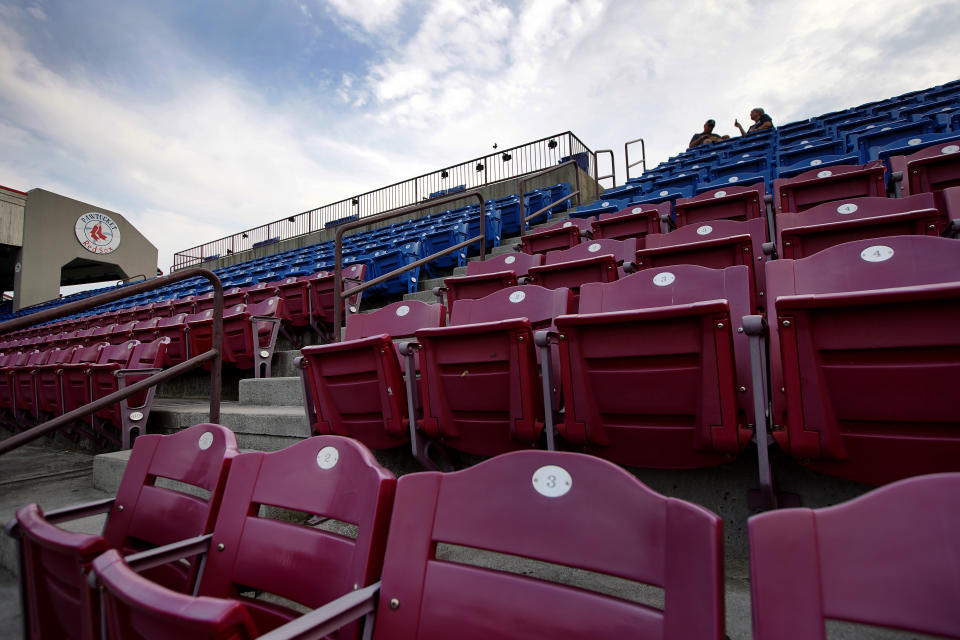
[(98, 233)]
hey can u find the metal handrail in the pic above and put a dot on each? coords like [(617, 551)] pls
[(215, 354), (613, 166), (523, 190), (643, 155), (502, 165), (339, 295)]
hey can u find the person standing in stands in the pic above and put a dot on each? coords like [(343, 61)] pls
[(760, 121), (707, 136)]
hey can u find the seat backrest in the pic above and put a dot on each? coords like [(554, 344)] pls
[(398, 320), (889, 558), (897, 261), (620, 249), (539, 305), (325, 476), (865, 352), (736, 203), (562, 508), (269, 307), (665, 286), (198, 456), (803, 234), (823, 185), (149, 355), (177, 320), (144, 513), (933, 168), (519, 263), (117, 353)]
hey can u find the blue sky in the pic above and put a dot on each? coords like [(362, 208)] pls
[(199, 119)]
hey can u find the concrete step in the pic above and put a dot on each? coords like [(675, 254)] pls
[(271, 392), (263, 428), (424, 296)]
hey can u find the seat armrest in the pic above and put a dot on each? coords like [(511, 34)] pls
[(323, 621), (64, 514), (151, 558)]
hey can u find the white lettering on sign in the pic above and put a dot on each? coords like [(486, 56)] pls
[(97, 233)]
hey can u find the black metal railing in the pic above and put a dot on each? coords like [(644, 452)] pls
[(503, 164), (214, 355)]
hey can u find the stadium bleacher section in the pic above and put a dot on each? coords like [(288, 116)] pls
[(800, 285)]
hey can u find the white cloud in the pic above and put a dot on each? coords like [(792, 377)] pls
[(372, 15), (37, 12), (214, 154)]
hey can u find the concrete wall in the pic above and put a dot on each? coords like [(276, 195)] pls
[(11, 216), (588, 187), (50, 244)]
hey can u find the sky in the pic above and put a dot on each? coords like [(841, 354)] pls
[(196, 120)]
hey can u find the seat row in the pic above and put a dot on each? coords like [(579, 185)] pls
[(714, 232), (321, 526), (655, 369), (924, 162), (36, 386)]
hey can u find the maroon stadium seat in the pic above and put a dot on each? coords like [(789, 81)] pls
[(715, 244), (24, 384), (866, 357), (250, 335), (486, 276), (49, 398), (654, 370), (561, 235), (594, 261), (174, 328), (259, 292), (145, 330), (72, 382), (839, 182), (325, 477), (480, 388), (60, 603), (121, 332), (890, 558), (831, 223), (542, 509), (321, 296), (295, 292), (636, 221), (727, 203), (932, 169), (200, 333), (356, 388), (13, 361), (185, 304), (131, 414)]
